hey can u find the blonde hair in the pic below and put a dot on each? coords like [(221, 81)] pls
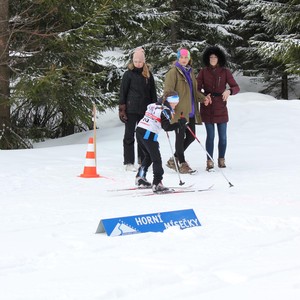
[(146, 72), (146, 69)]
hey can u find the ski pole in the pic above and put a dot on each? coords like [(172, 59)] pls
[(193, 134), (173, 156)]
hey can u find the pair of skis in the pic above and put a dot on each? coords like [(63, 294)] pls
[(172, 190)]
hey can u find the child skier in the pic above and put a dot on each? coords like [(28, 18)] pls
[(157, 116)]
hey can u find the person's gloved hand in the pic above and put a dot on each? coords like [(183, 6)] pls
[(183, 123), (122, 113)]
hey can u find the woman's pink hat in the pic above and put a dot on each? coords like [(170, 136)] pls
[(183, 52), (139, 55)]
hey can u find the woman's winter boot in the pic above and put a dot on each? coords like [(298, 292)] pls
[(171, 164), (221, 163), (209, 165)]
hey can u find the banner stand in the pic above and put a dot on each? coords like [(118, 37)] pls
[(154, 222)]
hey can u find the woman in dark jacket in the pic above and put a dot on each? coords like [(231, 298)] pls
[(213, 81), (136, 93)]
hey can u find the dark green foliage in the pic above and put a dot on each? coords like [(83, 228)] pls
[(270, 47), (162, 27), (284, 24), (57, 76), (57, 72)]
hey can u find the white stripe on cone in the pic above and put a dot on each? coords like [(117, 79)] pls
[(90, 162)]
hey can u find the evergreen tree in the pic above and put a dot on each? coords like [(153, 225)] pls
[(284, 23), (199, 23), (4, 77), (56, 73), (250, 26), (163, 26), (269, 50), (235, 38), (141, 23)]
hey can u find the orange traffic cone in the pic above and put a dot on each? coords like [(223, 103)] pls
[(90, 169)]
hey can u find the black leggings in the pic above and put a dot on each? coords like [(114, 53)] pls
[(183, 138), (151, 156), (128, 140)]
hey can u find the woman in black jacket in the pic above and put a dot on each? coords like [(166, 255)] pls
[(136, 93)]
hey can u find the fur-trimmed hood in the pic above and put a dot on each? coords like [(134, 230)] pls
[(222, 61)]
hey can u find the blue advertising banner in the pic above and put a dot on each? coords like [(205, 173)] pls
[(154, 222)]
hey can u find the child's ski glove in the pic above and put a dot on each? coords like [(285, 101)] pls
[(183, 123)]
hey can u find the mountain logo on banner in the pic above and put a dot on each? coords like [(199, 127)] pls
[(122, 229)]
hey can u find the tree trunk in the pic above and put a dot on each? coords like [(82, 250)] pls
[(4, 69), (173, 29), (284, 86)]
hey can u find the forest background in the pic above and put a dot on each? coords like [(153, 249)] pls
[(59, 58)]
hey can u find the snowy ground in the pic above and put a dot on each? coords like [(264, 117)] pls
[(247, 247)]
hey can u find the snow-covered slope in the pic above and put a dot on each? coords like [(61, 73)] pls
[(247, 247)]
